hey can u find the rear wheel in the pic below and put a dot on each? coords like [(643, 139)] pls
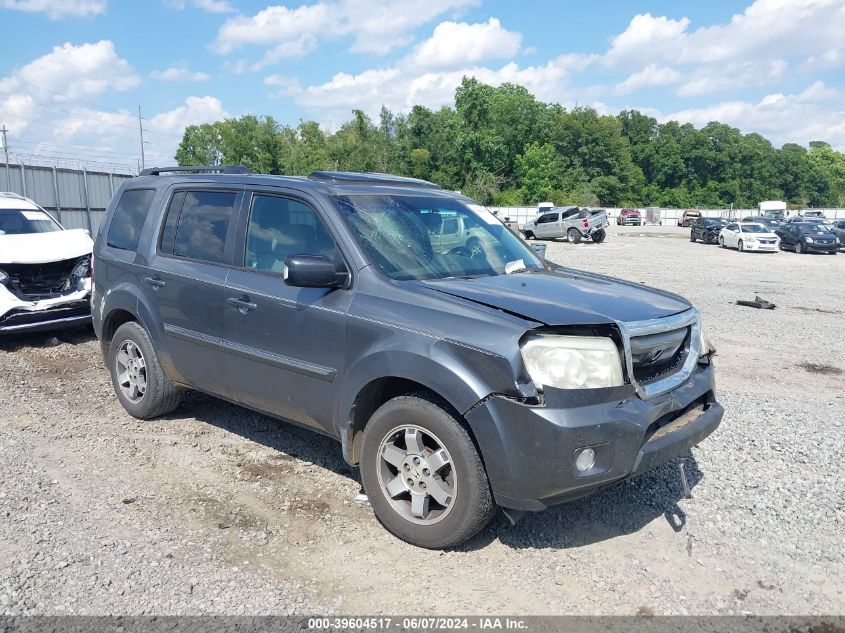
[(573, 236), (598, 236), (473, 245), (138, 380), (422, 473)]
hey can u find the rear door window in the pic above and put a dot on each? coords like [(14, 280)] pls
[(129, 217), (197, 223)]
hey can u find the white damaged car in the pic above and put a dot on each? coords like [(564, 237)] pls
[(45, 270)]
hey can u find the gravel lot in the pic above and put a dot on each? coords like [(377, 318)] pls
[(219, 510)]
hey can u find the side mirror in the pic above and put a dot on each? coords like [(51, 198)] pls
[(313, 271)]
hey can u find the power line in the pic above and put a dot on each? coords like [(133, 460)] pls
[(12, 77), (82, 148), (64, 127), (76, 114)]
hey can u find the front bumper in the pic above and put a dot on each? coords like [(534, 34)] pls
[(759, 246), (529, 451), (18, 315), (820, 248)]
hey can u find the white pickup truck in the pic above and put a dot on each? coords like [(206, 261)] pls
[(573, 223)]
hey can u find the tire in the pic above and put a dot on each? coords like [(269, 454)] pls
[(529, 235), (798, 249), (473, 245), (692, 237), (740, 247), (427, 421), (573, 236), (722, 242), (155, 394), (598, 236)]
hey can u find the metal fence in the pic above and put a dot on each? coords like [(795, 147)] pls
[(668, 217), (77, 197)]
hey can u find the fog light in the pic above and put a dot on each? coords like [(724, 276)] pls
[(586, 460)]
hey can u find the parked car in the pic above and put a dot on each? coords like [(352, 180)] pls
[(839, 231), (629, 217), (572, 223), (707, 229), (807, 237), (748, 236), (813, 219), (45, 269), (689, 216), (455, 381), (767, 221), (810, 213)]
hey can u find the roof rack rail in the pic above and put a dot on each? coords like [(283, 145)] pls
[(370, 178), (196, 169)]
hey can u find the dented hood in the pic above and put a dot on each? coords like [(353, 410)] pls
[(565, 297), (40, 248)]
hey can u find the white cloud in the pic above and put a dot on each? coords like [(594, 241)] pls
[(708, 79), (179, 73), (76, 71), (399, 90), (651, 75), (212, 6), (374, 27), (456, 44), (297, 47), (814, 114), (644, 37), (53, 118), (57, 9)]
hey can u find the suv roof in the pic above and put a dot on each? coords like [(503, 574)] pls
[(11, 200), (336, 182)]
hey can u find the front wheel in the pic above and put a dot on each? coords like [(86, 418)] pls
[(721, 242), (598, 236), (798, 248), (692, 237), (573, 236), (422, 473), (741, 247), (529, 235)]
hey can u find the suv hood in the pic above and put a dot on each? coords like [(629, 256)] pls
[(564, 297), (40, 248)]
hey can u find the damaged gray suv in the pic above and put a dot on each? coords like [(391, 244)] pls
[(457, 375)]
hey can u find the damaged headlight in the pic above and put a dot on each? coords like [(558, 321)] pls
[(572, 362), (4, 277), (82, 268)]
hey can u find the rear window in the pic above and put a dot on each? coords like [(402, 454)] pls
[(128, 218), (197, 223)]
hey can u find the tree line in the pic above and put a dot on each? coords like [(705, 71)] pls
[(503, 147)]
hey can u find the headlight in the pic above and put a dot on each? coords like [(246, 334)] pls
[(750, 239), (3, 277), (809, 240), (572, 362), (82, 268), (703, 343)]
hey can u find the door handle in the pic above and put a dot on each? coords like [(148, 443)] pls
[(156, 282), (242, 303)]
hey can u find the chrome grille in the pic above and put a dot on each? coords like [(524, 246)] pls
[(676, 338)]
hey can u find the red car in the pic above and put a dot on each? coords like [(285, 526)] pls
[(629, 217)]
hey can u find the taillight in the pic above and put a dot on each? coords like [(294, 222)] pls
[(586, 223)]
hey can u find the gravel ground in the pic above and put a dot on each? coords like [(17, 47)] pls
[(216, 509)]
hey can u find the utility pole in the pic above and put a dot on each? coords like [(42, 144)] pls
[(141, 130), (3, 130)]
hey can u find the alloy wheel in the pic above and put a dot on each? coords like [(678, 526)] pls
[(131, 371), (417, 475)]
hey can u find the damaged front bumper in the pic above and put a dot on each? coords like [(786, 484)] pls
[(18, 314), (530, 451)]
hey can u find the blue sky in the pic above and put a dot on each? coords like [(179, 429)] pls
[(75, 71)]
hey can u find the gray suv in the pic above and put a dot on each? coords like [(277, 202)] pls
[(457, 378)]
